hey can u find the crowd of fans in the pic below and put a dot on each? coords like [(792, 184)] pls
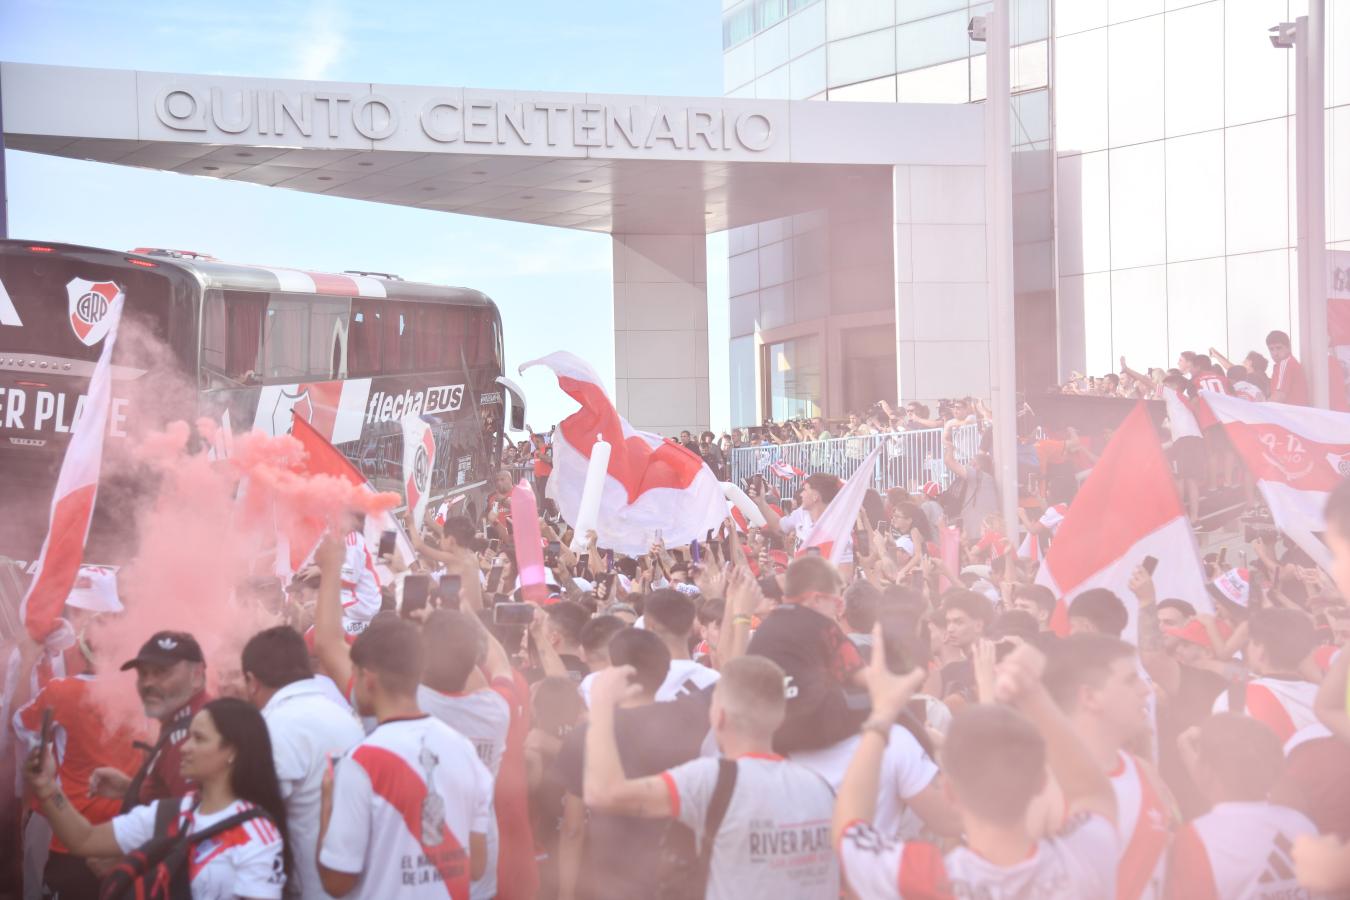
[(726, 719)]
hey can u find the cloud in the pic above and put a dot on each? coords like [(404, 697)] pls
[(322, 41)]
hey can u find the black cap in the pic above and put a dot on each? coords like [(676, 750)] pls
[(166, 648)]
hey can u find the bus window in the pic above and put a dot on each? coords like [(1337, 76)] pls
[(435, 338), (232, 333), (298, 335), (398, 337), (363, 338), (328, 337)]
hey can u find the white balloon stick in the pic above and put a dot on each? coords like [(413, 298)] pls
[(588, 511), (741, 501)]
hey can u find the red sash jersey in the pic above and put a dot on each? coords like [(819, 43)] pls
[(405, 802), (81, 743), (1238, 851), (1284, 704), (1144, 823)]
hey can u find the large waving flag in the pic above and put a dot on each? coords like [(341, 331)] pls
[(322, 458), (1126, 511), (833, 531), (653, 486), (1298, 454), (58, 564)]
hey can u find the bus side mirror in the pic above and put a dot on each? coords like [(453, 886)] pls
[(515, 398)]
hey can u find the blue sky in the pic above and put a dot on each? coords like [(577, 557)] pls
[(553, 285)]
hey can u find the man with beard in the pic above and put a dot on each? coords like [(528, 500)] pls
[(171, 680)]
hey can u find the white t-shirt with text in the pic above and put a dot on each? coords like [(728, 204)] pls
[(774, 842)]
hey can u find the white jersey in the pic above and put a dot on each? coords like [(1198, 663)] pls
[(1285, 704), (483, 717), (774, 842), (800, 523), (906, 770), (360, 585), (1179, 415), (245, 861), (684, 677), (1144, 823), (306, 727), (1239, 851), (1079, 863), (405, 802)]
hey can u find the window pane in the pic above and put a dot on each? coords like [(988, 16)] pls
[(806, 75), (399, 353), (862, 58), (1138, 206), (1030, 20), (947, 83), (741, 372), (363, 338), (286, 337), (327, 335), (1031, 117), (879, 90), (806, 32), (1139, 315), (1195, 214), (935, 40), (1125, 10), (1135, 83), (1073, 16), (1083, 190), (738, 25), (858, 17), (1257, 195), (1194, 67), (1258, 299), (770, 12), (1197, 304), (1080, 86), (1030, 67), (794, 378), (1256, 76)]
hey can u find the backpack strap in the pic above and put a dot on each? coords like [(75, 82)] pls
[(132, 799), (226, 824), (166, 815), (717, 810)]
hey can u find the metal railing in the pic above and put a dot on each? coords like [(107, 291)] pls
[(908, 459)]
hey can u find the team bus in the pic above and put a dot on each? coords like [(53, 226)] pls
[(352, 353)]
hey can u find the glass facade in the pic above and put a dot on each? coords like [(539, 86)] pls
[(794, 378), (1154, 206)]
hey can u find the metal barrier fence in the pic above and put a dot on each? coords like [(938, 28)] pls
[(908, 459)]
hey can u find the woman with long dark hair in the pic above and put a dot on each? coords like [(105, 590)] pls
[(229, 755)]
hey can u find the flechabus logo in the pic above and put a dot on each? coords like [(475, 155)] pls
[(383, 407), (89, 304)]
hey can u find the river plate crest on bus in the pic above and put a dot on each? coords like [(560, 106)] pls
[(89, 305)]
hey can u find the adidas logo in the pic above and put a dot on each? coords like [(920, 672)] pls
[(1280, 864)]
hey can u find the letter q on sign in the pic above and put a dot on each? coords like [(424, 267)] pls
[(179, 107)]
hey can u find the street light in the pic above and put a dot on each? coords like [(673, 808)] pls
[(1307, 37), (993, 31)]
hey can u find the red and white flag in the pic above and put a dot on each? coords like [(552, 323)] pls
[(419, 455), (1126, 511), (322, 458), (58, 564), (833, 531), (1298, 454), (652, 486), (785, 470)]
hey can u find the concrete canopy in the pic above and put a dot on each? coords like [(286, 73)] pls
[(905, 183), (597, 162)]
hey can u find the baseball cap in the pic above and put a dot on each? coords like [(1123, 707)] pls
[(932, 490), (1234, 586), (166, 648), (1193, 632)]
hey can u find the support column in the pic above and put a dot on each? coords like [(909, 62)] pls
[(661, 331), (941, 292)]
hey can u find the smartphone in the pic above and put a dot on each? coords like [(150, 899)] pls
[(494, 578), (787, 505), (415, 591), (513, 614), (494, 546), (609, 560), (447, 591), (583, 563), (552, 552), (812, 551), (695, 554), (388, 540), (1151, 564), (45, 740)]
